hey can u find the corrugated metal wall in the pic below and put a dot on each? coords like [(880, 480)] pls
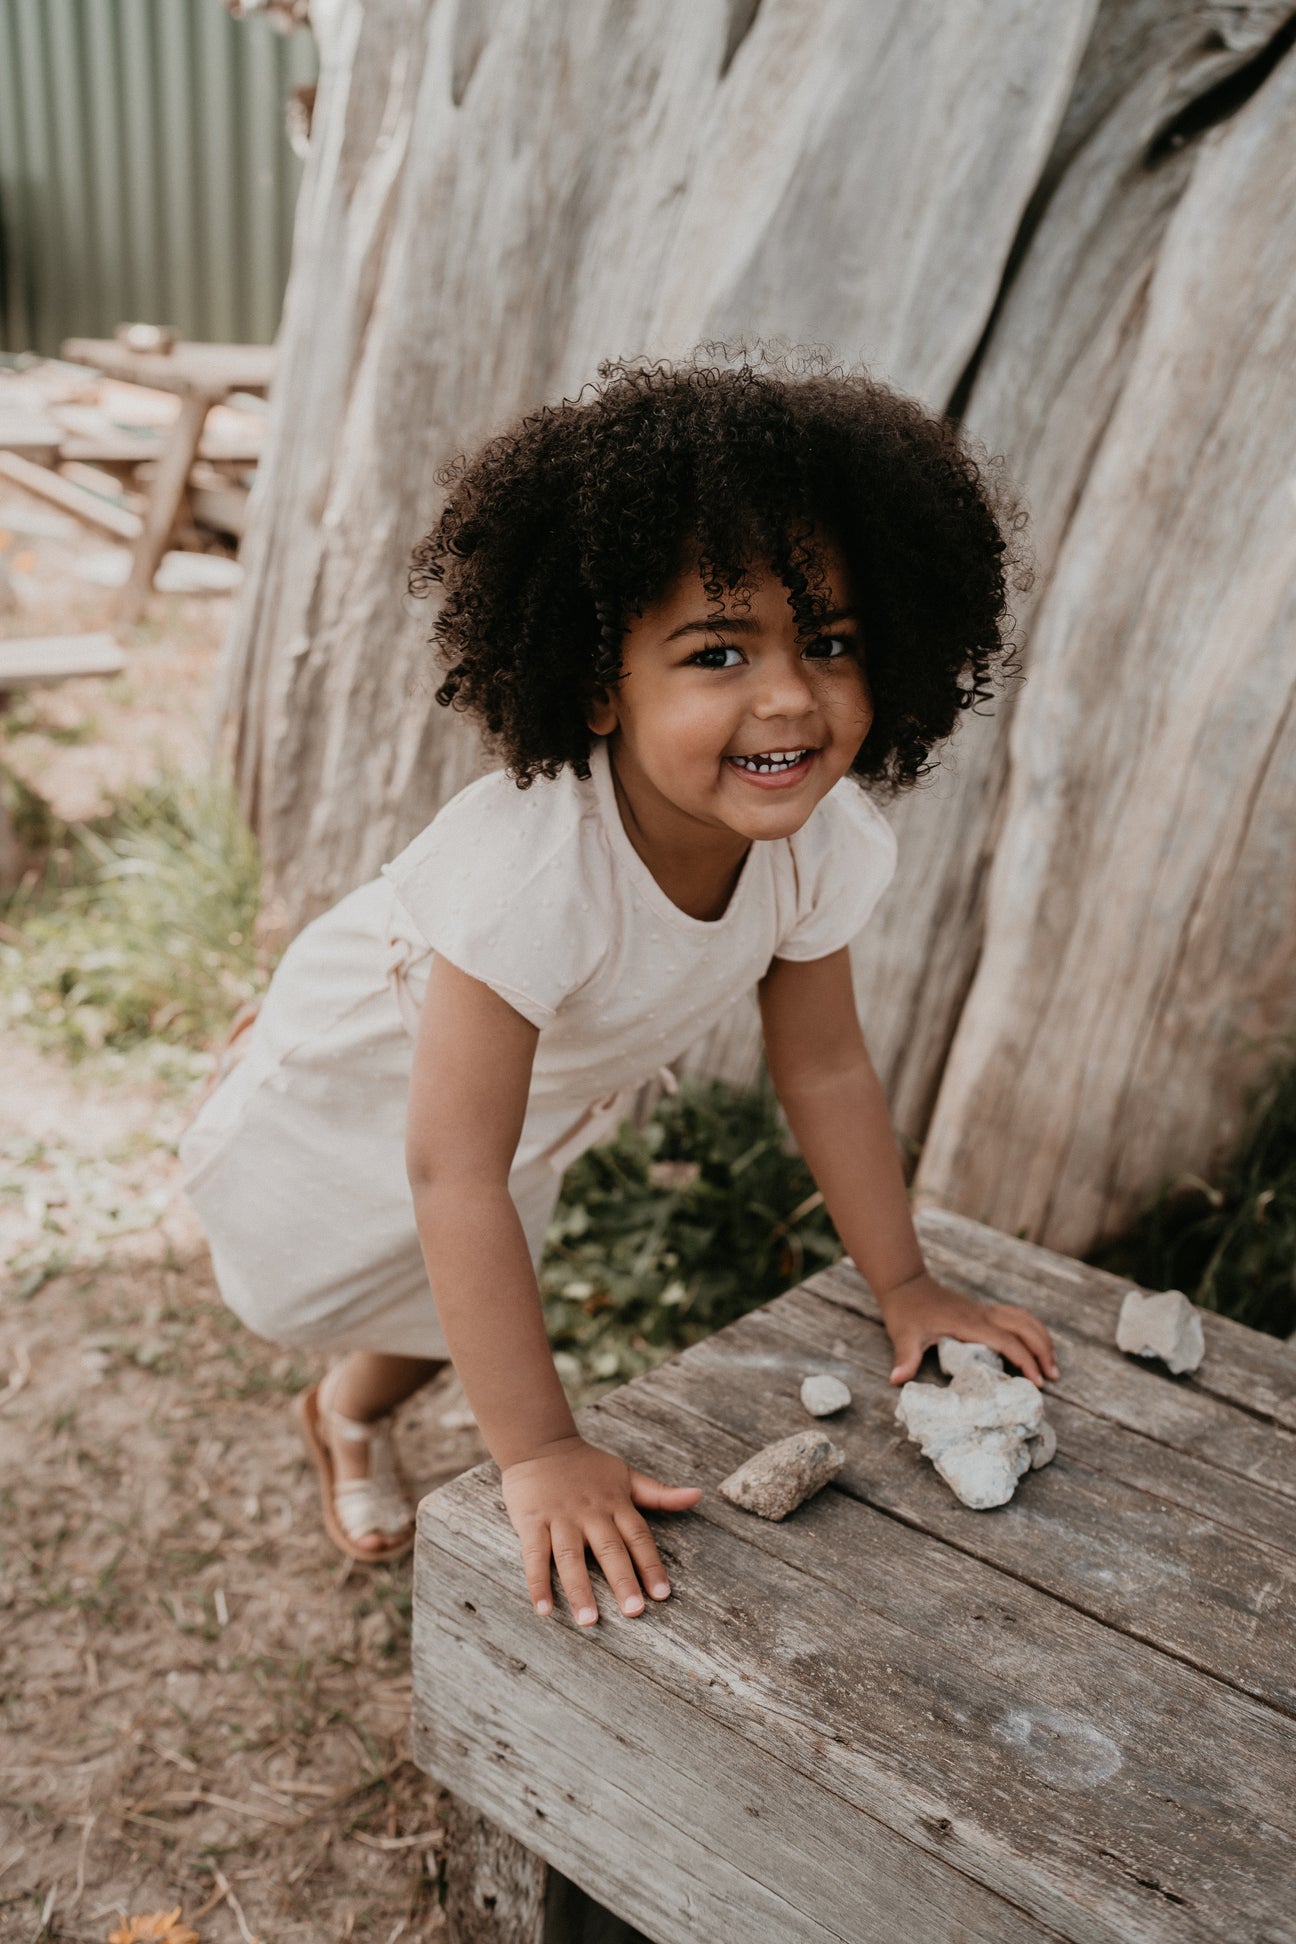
[(144, 169)]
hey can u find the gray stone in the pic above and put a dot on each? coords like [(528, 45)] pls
[(823, 1394), (783, 1475), (981, 1431), (953, 1356), (1165, 1325)]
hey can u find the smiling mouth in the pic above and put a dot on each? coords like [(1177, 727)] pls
[(773, 762)]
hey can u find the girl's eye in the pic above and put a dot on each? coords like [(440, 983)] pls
[(720, 648), (842, 644)]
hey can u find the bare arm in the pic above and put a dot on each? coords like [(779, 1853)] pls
[(834, 1102), (468, 1095)]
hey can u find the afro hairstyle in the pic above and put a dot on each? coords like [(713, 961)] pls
[(565, 526)]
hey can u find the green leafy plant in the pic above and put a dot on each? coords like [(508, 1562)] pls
[(1229, 1243), (667, 1233), (142, 925)]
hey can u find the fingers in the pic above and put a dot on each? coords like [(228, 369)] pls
[(1017, 1351), (662, 1498), (535, 1564), (909, 1348), (1029, 1344), (644, 1553), (609, 1549), (569, 1557)]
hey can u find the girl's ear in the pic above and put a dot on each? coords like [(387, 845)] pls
[(601, 715)]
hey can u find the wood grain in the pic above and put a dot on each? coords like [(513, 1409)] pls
[(1039, 1753), (439, 285), (1135, 978)]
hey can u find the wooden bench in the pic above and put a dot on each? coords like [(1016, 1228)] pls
[(201, 375), (36, 662), (890, 1717)]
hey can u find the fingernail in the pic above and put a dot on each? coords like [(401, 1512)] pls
[(542, 1606), (633, 1605), (587, 1616), (661, 1591)]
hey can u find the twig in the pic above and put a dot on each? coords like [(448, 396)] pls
[(19, 1377), (79, 1888), (223, 1883), (426, 1839), (216, 1898)]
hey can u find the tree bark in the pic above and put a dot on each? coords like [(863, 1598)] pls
[(975, 200), (1136, 973)]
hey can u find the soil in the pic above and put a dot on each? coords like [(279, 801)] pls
[(203, 1705)]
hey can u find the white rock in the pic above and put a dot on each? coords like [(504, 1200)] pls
[(1165, 1325), (981, 1431), (1043, 1446), (823, 1394), (778, 1478), (953, 1356)]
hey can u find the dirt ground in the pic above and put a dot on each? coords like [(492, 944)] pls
[(202, 1706)]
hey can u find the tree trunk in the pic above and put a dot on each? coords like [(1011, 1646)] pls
[(973, 199), (1136, 973)]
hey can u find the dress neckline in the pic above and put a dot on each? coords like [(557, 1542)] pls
[(629, 860)]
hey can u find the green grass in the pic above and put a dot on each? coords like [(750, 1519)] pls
[(667, 1233), (1229, 1243), (141, 926)]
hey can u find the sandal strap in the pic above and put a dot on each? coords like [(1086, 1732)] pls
[(380, 1501)]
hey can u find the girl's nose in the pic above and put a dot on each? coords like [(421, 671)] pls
[(783, 691)]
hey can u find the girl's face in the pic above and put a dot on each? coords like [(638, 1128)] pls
[(733, 724)]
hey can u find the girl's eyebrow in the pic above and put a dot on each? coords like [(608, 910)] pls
[(743, 623)]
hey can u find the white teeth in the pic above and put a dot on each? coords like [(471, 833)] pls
[(774, 759)]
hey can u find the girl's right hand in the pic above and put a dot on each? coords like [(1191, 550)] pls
[(571, 1495)]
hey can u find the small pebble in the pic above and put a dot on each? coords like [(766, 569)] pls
[(824, 1394), (780, 1477)]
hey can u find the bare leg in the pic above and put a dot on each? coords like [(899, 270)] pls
[(367, 1385)]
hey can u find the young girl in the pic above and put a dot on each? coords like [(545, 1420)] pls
[(695, 610)]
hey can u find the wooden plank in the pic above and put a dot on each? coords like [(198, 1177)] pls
[(189, 366), (1074, 1771), (1203, 1592), (37, 659), (612, 1766), (1244, 1368), (88, 507)]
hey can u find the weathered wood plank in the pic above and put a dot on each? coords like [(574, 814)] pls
[(1201, 1591), (1254, 1372), (613, 1776), (1077, 1772), (1116, 1447), (91, 508), (29, 661)]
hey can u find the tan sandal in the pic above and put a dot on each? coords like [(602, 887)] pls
[(380, 1502)]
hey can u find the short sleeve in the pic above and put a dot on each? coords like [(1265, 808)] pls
[(844, 857), (495, 884)]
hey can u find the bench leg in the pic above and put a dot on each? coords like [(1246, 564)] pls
[(500, 1892), (495, 1889), (164, 500)]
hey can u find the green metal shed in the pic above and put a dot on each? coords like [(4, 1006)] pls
[(145, 169)]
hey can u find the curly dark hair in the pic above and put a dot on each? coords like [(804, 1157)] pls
[(571, 522)]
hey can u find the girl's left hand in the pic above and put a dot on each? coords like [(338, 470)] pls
[(918, 1313)]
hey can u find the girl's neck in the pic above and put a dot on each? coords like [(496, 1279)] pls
[(696, 868)]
